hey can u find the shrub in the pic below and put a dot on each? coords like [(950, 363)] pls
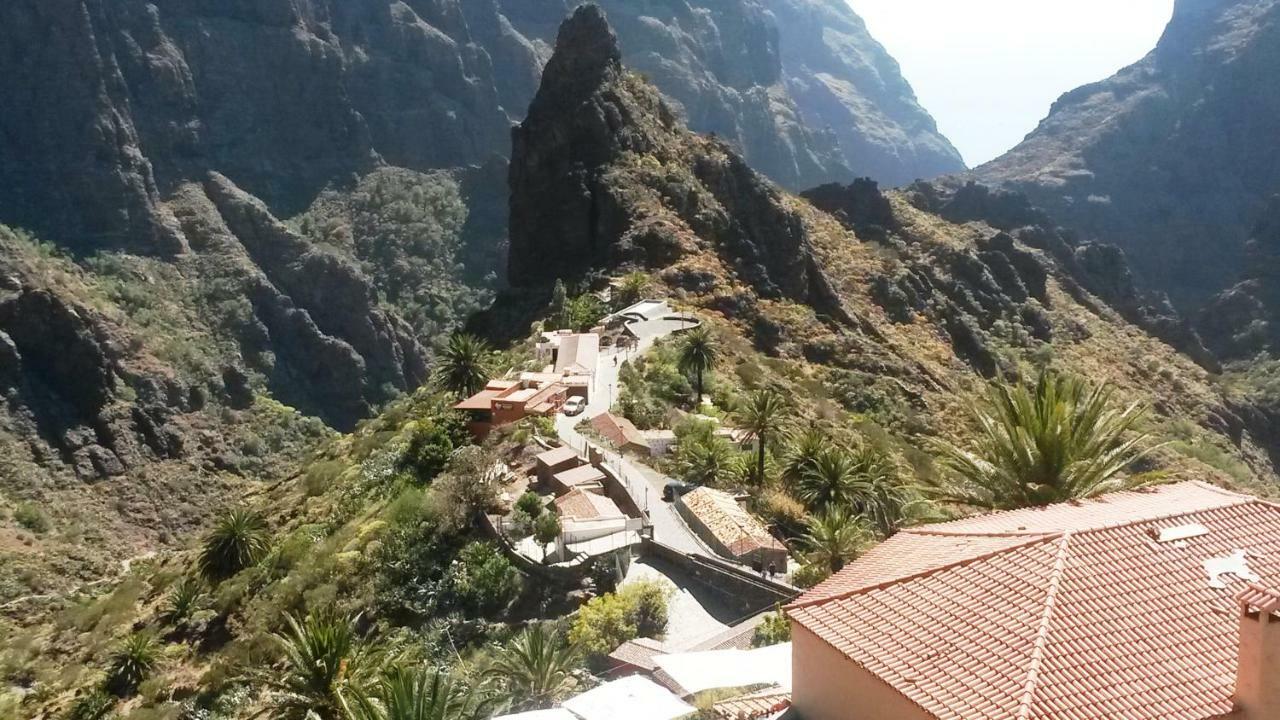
[(131, 663), (469, 487), (483, 580), (94, 705), (32, 518), (237, 541), (810, 575), (604, 623), (774, 629), (429, 450), (530, 503)]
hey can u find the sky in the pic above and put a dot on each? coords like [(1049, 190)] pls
[(988, 70)]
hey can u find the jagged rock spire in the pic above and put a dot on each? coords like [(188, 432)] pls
[(586, 56)]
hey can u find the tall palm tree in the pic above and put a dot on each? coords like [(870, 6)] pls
[(238, 541), (878, 492), (328, 669), (422, 694), (760, 414), (464, 365), (1059, 440), (699, 350), (834, 538), (535, 668), (830, 482)]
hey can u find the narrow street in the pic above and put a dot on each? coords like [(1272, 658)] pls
[(643, 483)]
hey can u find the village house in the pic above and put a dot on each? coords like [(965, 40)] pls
[(1145, 605), (506, 401), (717, 518)]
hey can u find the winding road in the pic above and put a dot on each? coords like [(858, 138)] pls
[(643, 483)]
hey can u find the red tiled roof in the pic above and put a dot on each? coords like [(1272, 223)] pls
[(752, 706), (1256, 597), (618, 430), (1072, 612), (737, 529), (585, 505)]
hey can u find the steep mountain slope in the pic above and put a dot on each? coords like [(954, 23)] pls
[(851, 293), (1174, 157)]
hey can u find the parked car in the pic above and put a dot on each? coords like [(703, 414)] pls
[(675, 488), (574, 405)]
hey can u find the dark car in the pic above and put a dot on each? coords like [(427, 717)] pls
[(676, 488)]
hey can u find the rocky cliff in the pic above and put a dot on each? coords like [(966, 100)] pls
[(1173, 158)]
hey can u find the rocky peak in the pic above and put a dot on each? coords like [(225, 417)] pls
[(586, 56)]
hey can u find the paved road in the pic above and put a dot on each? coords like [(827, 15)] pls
[(643, 483)]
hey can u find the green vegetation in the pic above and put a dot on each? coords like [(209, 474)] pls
[(404, 693), (1061, 439), (546, 528), (760, 415), (698, 352), (132, 662), (327, 668), (238, 541), (535, 668), (531, 504), (483, 580), (772, 630), (465, 365), (834, 538), (32, 518), (631, 289), (604, 623), (405, 229), (184, 599)]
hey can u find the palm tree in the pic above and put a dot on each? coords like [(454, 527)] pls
[(698, 352), (760, 415), (631, 289), (535, 668), (706, 462), (1059, 440), (830, 481), (803, 447), (421, 694), (834, 538), (328, 670), (878, 492), (464, 365), (238, 541)]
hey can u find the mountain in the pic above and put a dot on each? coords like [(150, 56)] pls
[(879, 315), (896, 304), (1174, 158)]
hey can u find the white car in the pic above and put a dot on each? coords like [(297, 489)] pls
[(574, 405)]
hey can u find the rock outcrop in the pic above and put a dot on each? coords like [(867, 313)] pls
[(1244, 320), (1174, 157)]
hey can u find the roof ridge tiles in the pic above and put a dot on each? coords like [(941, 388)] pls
[(1035, 540), (1032, 683)]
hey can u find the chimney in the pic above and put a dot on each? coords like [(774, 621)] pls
[(1258, 665)]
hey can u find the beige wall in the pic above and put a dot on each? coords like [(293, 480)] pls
[(826, 685)]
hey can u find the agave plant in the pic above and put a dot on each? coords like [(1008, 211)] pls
[(328, 669), (131, 663), (1059, 440), (184, 599), (535, 668), (422, 694), (238, 541), (464, 365)]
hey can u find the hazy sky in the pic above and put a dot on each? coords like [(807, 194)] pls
[(988, 70)]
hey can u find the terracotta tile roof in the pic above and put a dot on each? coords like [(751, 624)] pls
[(1258, 598), (752, 706), (732, 525), (618, 430), (584, 505), (1073, 612), (638, 653)]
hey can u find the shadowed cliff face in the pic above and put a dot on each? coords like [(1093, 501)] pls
[(1172, 158)]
